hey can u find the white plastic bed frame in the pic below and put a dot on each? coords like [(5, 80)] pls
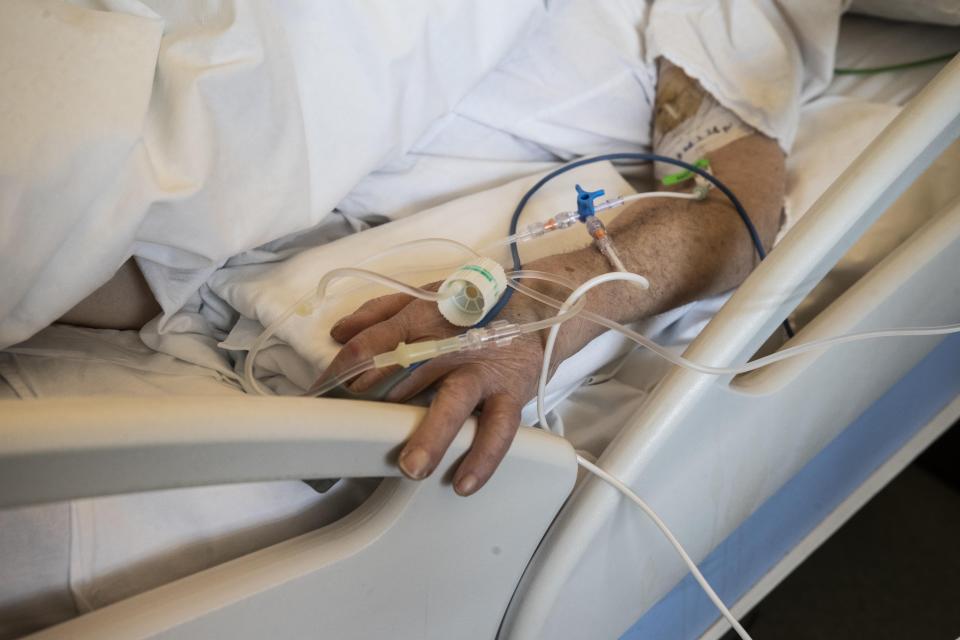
[(524, 558)]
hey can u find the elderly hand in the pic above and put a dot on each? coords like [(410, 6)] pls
[(498, 379)]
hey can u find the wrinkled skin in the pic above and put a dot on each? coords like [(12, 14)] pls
[(498, 380)]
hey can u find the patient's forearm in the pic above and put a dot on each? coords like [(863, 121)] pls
[(124, 302), (687, 249)]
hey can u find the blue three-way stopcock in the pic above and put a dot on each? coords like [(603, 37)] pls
[(585, 205)]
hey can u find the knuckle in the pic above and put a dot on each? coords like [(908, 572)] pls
[(462, 385), (370, 305), (397, 328)]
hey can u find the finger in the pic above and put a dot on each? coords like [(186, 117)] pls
[(498, 425), (377, 339), (373, 377), (368, 314), (421, 378), (458, 396)]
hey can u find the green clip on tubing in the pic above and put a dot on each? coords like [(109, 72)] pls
[(681, 176)]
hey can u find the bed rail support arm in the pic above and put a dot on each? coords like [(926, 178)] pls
[(61, 449)]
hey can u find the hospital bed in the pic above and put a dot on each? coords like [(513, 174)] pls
[(751, 472)]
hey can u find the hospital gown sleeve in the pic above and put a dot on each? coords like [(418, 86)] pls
[(759, 58)]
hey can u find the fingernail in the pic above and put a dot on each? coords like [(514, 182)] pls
[(414, 463), (467, 485)]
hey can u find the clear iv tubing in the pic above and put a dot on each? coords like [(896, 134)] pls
[(251, 383), (493, 335), (555, 321), (677, 360), (759, 363), (569, 218), (472, 339), (576, 295), (614, 482), (305, 303)]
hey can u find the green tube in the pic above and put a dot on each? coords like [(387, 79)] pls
[(840, 71)]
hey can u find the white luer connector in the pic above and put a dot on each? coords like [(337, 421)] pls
[(471, 291), (499, 332)]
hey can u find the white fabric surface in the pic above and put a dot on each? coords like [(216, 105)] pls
[(185, 133), (76, 92), (204, 130), (761, 60)]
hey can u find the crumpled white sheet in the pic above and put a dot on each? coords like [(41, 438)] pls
[(583, 83), (185, 133)]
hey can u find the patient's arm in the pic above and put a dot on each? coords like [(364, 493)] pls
[(124, 302)]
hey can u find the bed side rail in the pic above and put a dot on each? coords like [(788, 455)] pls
[(63, 448), (705, 451), (414, 559)]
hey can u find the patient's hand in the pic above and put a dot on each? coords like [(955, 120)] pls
[(500, 380)]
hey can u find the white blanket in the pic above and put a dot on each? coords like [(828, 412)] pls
[(185, 133)]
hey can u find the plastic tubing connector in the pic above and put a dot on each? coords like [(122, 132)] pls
[(500, 333), (585, 206)]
